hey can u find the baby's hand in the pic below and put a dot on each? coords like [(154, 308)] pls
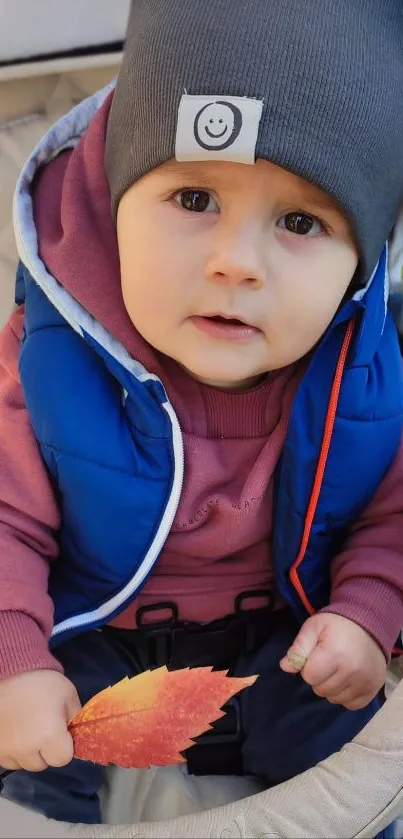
[(35, 708), (343, 662)]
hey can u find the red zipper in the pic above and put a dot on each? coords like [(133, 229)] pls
[(320, 469)]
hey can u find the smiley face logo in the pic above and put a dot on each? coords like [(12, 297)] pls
[(217, 125)]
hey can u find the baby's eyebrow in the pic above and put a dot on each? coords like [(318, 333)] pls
[(320, 201), (183, 170)]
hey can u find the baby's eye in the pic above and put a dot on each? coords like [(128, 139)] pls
[(301, 224), (196, 201)]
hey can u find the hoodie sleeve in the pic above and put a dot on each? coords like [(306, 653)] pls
[(29, 521), (367, 576)]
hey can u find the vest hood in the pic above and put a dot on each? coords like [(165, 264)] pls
[(64, 229)]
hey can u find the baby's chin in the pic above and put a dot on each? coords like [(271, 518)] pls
[(223, 382)]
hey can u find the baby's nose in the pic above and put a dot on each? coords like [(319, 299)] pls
[(236, 262)]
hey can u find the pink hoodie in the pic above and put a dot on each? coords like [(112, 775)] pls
[(220, 543)]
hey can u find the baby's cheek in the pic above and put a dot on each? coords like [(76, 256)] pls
[(292, 338)]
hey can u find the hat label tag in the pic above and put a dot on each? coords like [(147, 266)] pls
[(218, 128)]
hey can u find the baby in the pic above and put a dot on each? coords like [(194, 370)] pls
[(201, 393)]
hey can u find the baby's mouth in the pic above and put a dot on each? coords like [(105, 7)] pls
[(225, 327), (225, 320)]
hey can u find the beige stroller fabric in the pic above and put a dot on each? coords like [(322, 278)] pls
[(355, 793)]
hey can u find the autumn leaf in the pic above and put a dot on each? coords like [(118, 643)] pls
[(148, 720)]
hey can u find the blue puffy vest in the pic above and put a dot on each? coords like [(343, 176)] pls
[(113, 447)]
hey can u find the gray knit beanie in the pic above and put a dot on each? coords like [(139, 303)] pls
[(313, 86)]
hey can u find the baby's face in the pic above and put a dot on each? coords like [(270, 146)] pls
[(232, 270)]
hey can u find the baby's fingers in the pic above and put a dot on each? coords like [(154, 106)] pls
[(10, 764), (332, 687), (58, 751), (319, 668), (339, 691), (301, 649), (33, 763), (350, 699), (293, 662)]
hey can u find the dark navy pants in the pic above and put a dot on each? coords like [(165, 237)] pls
[(287, 728)]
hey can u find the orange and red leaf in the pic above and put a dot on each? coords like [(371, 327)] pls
[(150, 719)]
